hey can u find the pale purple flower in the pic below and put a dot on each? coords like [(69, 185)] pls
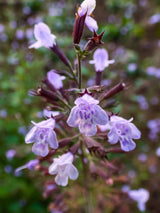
[(55, 79), (141, 196), (132, 67), (154, 19), (44, 37), (154, 126), (153, 71), (63, 168), (122, 130), (10, 154), (42, 135), (30, 165), (142, 102), (101, 60), (86, 115), (88, 6)]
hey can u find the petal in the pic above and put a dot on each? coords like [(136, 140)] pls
[(49, 114), (53, 168), (66, 158), (72, 172), (73, 119), (36, 45), (49, 124), (86, 99), (127, 144), (31, 135), (141, 206), (100, 57), (87, 129), (55, 79), (61, 180), (101, 116), (40, 149), (43, 35), (88, 6), (135, 133), (52, 140), (91, 24), (112, 137)]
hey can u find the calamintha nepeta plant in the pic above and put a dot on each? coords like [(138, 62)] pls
[(70, 132)]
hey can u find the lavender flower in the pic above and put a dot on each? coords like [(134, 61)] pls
[(86, 115), (64, 169), (30, 165), (122, 130), (100, 60), (10, 154), (55, 79), (87, 8), (42, 135), (44, 37), (141, 196)]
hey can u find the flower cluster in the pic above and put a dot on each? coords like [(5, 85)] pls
[(75, 131)]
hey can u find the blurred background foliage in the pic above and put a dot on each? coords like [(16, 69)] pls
[(132, 37)]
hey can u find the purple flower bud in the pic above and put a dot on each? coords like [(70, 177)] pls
[(100, 60), (55, 79), (30, 165), (44, 37), (122, 130), (86, 115), (42, 135), (64, 169), (141, 196)]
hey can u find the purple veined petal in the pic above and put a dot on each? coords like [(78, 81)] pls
[(36, 45), (52, 140), (55, 79), (101, 116), (53, 168), (86, 99), (48, 124), (40, 149), (32, 163), (135, 133), (91, 24), (61, 180), (127, 144), (73, 119), (87, 129), (113, 137), (31, 135), (72, 172)]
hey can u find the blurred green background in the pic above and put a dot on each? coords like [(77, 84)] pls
[(132, 38)]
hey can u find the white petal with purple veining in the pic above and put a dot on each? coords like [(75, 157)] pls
[(127, 144), (112, 137), (40, 149), (87, 129)]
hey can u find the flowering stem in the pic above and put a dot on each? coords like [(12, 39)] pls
[(98, 78), (63, 100), (72, 72), (79, 72), (86, 182)]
